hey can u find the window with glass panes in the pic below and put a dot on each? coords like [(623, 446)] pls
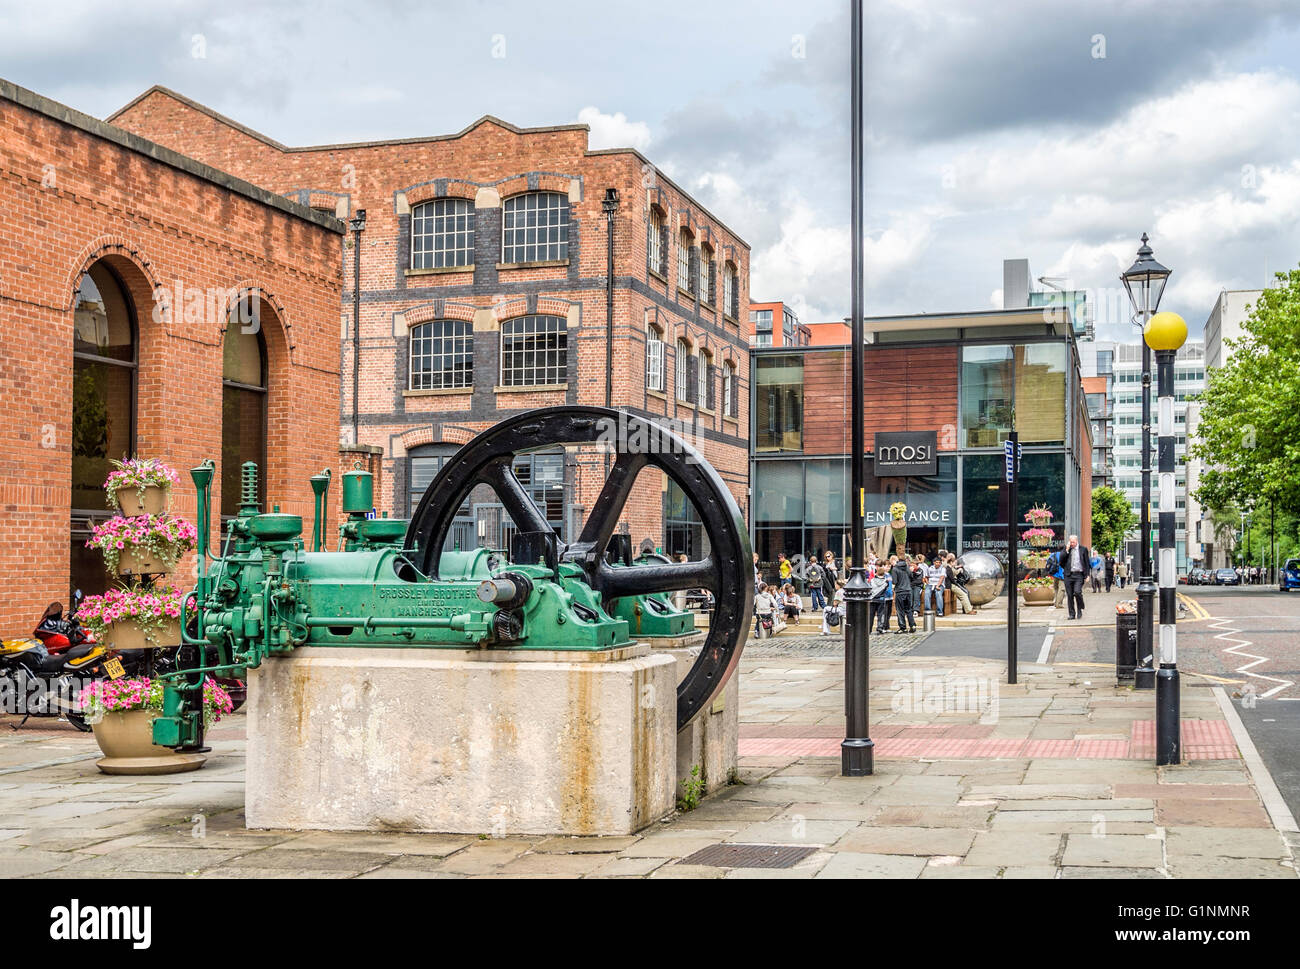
[(535, 228), (534, 350), (656, 241), (684, 261), (728, 391), (442, 234), (706, 274), (654, 358), (728, 292), (703, 370), (681, 363), (442, 355)]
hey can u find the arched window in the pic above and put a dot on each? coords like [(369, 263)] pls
[(535, 228), (704, 380), (103, 387), (657, 242), (683, 362), (684, 241), (442, 234), (708, 271), (103, 408), (729, 390), (442, 355), (654, 358), (731, 292), (534, 351), (243, 407)]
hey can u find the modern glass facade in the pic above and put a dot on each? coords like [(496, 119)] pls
[(971, 393)]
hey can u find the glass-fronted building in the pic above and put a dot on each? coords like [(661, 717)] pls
[(968, 379)]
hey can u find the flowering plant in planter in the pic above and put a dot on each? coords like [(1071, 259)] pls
[(1035, 560), (154, 535), (138, 474), (1036, 582), (143, 693), (1038, 515), (148, 609), (1040, 537)]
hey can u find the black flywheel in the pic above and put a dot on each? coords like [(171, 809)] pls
[(637, 443)]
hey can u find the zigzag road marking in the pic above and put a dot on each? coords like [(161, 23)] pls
[(1239, 651)]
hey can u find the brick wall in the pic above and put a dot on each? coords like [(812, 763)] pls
[(76, 191), (487, 163)]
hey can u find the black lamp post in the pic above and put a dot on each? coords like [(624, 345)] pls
[(610, 207), (1145, 282), (856, 751)]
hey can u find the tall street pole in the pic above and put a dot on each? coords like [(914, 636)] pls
[(1144, 677), (856, 752), (1165, 333)]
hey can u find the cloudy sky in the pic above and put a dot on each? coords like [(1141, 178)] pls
[(1051, 130)]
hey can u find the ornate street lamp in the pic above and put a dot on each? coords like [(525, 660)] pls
[(1145, 282), (1165, 333)]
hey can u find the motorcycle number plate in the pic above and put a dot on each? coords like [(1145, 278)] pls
[(113, 668)]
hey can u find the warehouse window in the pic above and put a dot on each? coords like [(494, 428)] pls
[(704, 380), (731, 292), (657, 243), (535, 228), (442, 234), (682, 362), (729, 390), (442, 355), (684, 262), (707, 270), (534, 350), (243, 410), (654, 358)]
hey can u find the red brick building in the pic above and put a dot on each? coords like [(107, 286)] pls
[(776, 325), (153, 306), (483, 293)]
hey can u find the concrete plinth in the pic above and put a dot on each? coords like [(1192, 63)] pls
[(466, 741), (711, 740)]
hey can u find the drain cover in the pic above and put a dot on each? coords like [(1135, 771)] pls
[(749, 856)]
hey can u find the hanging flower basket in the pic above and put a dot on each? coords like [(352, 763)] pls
[(1038, 516), (134, 618), (140, 486), (1035, 560), (1039, 537), (146, 545)]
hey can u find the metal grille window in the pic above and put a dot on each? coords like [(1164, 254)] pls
[(655, 242), (682, 363), (703, 370), (684, 261), (535, 228), (654, 359), (442, 355), (706, 275), (442, 234), (534, 350)]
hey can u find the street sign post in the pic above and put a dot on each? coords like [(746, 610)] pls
[(1011, 452)]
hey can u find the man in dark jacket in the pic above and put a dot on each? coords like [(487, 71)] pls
[(901, 575), (1110, 571), (1076, 563)]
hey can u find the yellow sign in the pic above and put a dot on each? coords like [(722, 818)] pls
[(113, 668)]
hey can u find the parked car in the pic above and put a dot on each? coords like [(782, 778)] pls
[(1227, 577), (1288, 577), (1202, 577)]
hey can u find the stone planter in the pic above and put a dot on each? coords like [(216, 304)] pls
[(128, 635), (1039, 595), (126, 738), (155, 501), (135, 561)]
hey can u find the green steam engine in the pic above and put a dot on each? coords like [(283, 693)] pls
[(390, 584)]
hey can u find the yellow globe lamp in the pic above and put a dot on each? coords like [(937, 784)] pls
[(1165, 331)]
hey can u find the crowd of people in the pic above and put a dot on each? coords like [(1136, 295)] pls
[(902, 586)]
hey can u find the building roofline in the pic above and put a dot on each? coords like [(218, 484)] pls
[(379, 143), (108, 132), (485, 119)]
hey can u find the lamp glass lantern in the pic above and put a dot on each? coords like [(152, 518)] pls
[(1145, 282)]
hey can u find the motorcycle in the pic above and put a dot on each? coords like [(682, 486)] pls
[(43, 676)]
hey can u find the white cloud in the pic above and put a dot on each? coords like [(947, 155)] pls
[(614, 130)]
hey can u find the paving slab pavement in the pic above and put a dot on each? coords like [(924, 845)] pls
[(968, 783)]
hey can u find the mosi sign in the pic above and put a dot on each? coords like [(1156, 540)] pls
[(906, 453)]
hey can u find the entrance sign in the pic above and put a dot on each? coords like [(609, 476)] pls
[(901, 454)]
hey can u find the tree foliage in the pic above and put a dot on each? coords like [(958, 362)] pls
[(1112, 517), (1249, 433)]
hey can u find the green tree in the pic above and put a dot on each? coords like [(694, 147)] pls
[(1112, 516), (1249, 433)]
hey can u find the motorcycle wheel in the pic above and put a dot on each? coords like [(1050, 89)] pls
[(78, 720)]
